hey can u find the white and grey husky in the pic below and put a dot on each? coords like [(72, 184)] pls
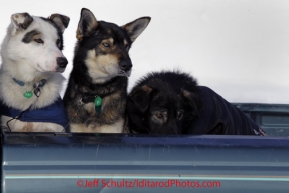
[(30, 74)]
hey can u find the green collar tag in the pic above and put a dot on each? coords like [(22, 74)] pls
[(97, 103), (28, 94)]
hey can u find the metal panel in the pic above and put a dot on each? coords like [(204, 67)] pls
[(272, 118), (133, 163)]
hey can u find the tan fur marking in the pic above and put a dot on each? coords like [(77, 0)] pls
[(37, 36), (146, 88), (95, 63), (90, 108), (78, 36), (110, 113), (111, 40), (28, 127), (94, 128), (186, 94), (108, 59), (103, 67)]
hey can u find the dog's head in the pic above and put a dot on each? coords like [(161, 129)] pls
[(104, 46), (36, 42), (161, 111)]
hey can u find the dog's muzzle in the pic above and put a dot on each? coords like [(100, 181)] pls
[(125, 65), (61, 64), (125, 68)]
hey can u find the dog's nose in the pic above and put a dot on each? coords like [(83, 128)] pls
[(61, 62), (125, 65)]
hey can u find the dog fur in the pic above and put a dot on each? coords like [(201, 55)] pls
[(171, 102), (101, 67), (31, 52)]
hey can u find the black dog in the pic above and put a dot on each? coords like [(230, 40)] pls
[(173, 103)]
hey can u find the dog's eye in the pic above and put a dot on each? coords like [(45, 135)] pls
[(58, 41), (180, 114), (106, 45), (39, 41), (159, 115)]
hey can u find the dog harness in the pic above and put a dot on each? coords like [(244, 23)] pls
[(54, 113)]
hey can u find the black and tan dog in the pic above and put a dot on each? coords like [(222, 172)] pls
[(173, 103), (95, 98)]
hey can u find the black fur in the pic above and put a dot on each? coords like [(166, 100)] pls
[(155, 101), (29, 36)]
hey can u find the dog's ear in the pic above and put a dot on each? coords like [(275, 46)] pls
[(141, 97), (136, 27), (86, 23), (60, 21), (20, 21), (193, 101)]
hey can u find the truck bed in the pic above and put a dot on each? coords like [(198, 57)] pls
[(63, 162)]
